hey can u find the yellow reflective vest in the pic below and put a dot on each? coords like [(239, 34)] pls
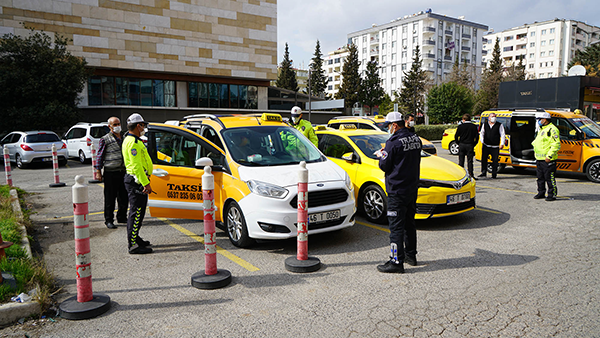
[(546, 143), (137, 161), (307, 130)]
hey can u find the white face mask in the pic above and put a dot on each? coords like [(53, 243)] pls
[(295, 120), (390, 131), (143, 132), (411, 124), (117, 129), (493, 119)]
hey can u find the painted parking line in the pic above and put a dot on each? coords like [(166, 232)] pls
[(220, 250), (521, 191), (574, 182), (373, 226), (488, 210)]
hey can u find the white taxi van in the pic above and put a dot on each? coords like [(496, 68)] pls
[(255, 161)]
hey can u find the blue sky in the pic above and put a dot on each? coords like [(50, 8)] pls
[(301, 23)]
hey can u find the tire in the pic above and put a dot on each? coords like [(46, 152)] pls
[(519, 170), (593, 171), (501, 167), (373, 204), (236, 226), (82, 158), (62, 163), (19, 161), (453, 148)]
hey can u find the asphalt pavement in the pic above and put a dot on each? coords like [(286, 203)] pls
[(514, 267)]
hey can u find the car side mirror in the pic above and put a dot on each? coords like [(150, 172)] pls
[(350, 157), (203, 162)]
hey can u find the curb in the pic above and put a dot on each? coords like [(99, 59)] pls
[(11, 312)]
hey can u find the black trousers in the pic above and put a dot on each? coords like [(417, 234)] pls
[(114, 188), (137, 209), (546, 173), (466, 150), (401, 218), (485, 152)]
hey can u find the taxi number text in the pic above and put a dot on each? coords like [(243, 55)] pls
[(324, 216), (458, 198), (197, 196)]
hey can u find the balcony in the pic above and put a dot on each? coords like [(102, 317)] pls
[(467, 61), (466, 36), (429, 42), (448, 57), (484, 52), (374, 41), (465, 48), (448, 32), (429, 56), (429, 29), (374, 51)]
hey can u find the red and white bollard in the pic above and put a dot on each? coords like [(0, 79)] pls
[(57, 182), (7, 167), (302, 262), (210, 277), (93, 151), (85, 304)]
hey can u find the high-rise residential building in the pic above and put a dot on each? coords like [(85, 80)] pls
[(441, 39), (546, 48), (161, 57), (333, 64)]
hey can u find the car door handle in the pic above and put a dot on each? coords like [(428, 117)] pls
[(160, 172)]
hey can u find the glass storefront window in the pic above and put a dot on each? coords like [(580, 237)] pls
[(169, 93), (134, 92), (146, 92), (233, 96), (95, 91), (203, 95), (193, 94), (213, 90), (122, 91), (108, 90), (159, 93), (223, 96)]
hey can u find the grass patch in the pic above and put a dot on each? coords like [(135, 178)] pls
[(29, 273)]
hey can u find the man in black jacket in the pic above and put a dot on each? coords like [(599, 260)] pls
[(466, 137), (400, 159), (492, 137)]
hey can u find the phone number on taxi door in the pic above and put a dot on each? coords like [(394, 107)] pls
[(185, 195)]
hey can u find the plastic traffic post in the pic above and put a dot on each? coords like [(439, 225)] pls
[(93, 150), (7, 167), (57, 182), (210, 277), (85, 304), (302, 262)]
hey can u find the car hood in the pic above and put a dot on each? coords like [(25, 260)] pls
[(440, 169), (287, 175)]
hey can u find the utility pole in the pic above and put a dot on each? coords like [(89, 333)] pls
[(309, 95)]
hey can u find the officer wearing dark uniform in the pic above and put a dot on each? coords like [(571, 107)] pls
[(400, 159)]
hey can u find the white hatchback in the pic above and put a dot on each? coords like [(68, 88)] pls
[(81, 136)]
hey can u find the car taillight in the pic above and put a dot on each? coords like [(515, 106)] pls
[(64, 146), (89, 142), (26, 147), (445, 134)]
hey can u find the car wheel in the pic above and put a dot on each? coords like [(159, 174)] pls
[(520, 170), (593, 171), (453, 148), (236, 226), (19, 161), (501, 167), (62, 163), (374, 204), (82, 158)]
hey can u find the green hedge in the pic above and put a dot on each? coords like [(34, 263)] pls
[(432, 132)]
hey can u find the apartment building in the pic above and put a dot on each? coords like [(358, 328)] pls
[(333, 64), (159, 57), (441, 39), (546, 48)]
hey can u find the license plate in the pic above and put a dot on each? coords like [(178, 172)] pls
[(47, 159), (324, 216), (458, 198)]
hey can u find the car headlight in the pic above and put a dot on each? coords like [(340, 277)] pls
[(266, 189), (349, 182)]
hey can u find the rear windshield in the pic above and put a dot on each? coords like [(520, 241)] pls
[(98, 132), (41, 138)]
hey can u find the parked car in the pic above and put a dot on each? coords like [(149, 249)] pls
[(81, 136), (34, 147), (445, 189), (448, 142)]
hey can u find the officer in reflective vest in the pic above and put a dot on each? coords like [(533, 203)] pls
[(546, 146), (304, 126)]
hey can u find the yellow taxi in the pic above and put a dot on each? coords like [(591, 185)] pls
[(255, 162), (376, 122), (448, 142), (445, 189), (579, 140)]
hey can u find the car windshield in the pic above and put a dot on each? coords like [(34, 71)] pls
[(589, 127), (269, 146), (381, 126), (370, 144), (41, 138)]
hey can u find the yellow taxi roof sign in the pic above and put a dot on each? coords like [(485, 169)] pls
[(321, 127), (271, 117), (379, 117), (347, 127)]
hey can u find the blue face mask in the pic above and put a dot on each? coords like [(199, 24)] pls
[(539, 122)]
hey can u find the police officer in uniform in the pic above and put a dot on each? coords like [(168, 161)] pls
[(303, 126), (138, 165), (400, 159), (546, 146)]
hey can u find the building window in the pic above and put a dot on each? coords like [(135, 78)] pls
[(551, 53), (532, 44), (543, 32), (394, 33), (541, 64), (383, 60), (508, 38), (549, 74), (365, 50), (552, 30), (532, 55), (404, 29), (329, 87), (220, 95), (551, 42), (383, 45), (532, 33), (542, 75), (108, 90), (542, 54), (364, 39), (393, 57), (543, 43), (415, 26), (531, 65), (329, 62), (404, 54), (393, 44), (508, 48), (337, 60), (393, 82), (393, 68), (382, 35), (551, 63), (414, 40), (403, 66), (404, 42), (330, 78)]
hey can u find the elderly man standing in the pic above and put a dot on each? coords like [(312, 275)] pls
[(492, 138), (110, 158)]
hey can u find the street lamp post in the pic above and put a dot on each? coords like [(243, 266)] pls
[(309, 95)]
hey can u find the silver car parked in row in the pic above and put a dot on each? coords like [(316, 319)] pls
[(34, 147)]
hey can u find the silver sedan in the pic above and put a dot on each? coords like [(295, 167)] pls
[(34, 147)]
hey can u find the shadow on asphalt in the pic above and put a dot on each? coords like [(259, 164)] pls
[(481, 258), (474, 219), (115, 307), (276, 279)]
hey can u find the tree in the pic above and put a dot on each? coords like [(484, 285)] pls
[(412, 94), (386, 105), (351, 82), (589, 58), (39, 83), (461, 75), (516, 72), (371, 92), (287, 76), (448, 102), (318, 79), (487, 95)]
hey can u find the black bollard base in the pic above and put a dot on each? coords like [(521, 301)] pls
[(293, 264), (56, 185), (94, 181), (74, 310), (201, 280), (9, 280)]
